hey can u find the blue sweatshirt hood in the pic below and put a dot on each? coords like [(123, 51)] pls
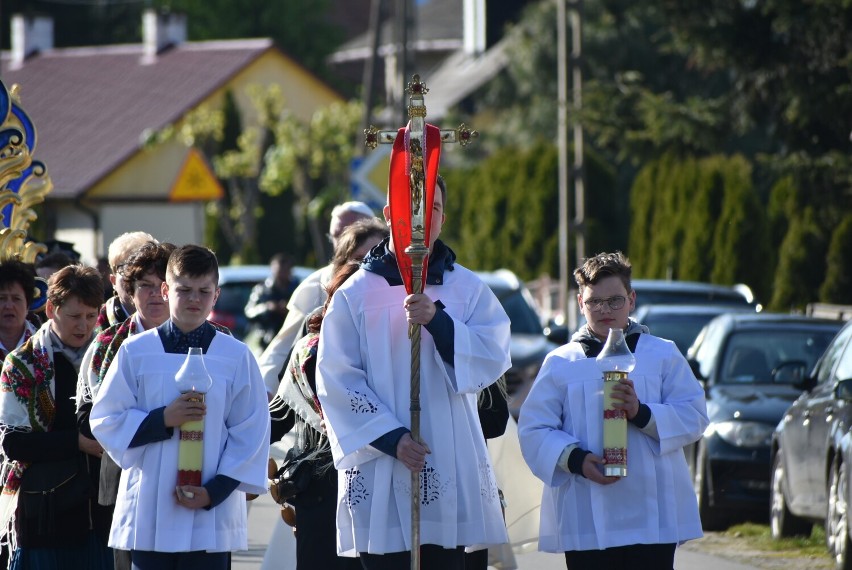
[(382, 262)]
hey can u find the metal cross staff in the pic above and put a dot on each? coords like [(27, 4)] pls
[(413, 172)]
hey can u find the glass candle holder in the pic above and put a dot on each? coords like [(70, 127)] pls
[(193, 378), (615, 361)]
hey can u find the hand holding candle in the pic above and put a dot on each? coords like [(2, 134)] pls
[(185, 408), (625, 398)]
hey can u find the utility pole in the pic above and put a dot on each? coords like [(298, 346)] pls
[(369, 78), (578, 224), (405, 57), (579, 161), (562, 138)]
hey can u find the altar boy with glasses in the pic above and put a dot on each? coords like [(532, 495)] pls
[(598, 521)]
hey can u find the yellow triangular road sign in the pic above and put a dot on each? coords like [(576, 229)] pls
[(195, 181)]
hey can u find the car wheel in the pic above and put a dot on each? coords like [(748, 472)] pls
[(783, 523), (837, 522), (712, 518)]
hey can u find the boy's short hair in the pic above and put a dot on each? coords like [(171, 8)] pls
[(193, 261), (15, 271), (604, 265), (152, 256), (79, 281)]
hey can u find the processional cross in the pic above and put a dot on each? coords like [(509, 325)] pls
[(411, 191)]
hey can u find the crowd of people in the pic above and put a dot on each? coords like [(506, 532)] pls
[(91, 414)]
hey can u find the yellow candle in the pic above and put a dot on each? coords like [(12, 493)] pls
[(191, 453)]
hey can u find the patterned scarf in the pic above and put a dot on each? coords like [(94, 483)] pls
[(27, 396), (295, 392), (103, 350), (112, 313)]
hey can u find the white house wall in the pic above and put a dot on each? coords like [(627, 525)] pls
[(78, 227), (179, 223)]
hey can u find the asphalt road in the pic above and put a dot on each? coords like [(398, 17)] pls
[(266, 527), (264, 521)]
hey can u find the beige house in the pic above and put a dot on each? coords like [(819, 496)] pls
[(93, 106)]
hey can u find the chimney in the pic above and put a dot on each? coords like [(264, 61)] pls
[(30, 35), (160, 31), (473, 16)]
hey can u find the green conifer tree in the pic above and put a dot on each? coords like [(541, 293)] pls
[(837, 287), (801, 265)]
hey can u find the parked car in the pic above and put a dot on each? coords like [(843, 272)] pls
[(738, 357), (812, 452), (529, 345), (682, 323), (659, 291), (235, 284), (666, 292)]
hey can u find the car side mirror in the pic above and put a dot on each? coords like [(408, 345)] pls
[(556, 333), (696, 370), (843, 390)]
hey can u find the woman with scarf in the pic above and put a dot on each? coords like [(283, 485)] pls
[(143, 274), (38, 424)]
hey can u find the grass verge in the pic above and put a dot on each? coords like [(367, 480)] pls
[(759, 537)]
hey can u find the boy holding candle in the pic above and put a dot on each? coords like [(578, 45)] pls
[(609, 522), (138, 407)]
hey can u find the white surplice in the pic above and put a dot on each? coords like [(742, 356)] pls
[(236, 444), (655, 503), (363, 383)]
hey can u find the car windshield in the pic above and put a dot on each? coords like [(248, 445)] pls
[(234, 296), (523, 317), (684, 297), (750, 356), (680, 328)]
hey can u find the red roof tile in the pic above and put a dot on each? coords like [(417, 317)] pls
[(91, 105)]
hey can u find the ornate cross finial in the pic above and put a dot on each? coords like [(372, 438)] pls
[(417, 108)]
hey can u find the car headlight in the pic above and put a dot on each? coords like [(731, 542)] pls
[(742, 434)]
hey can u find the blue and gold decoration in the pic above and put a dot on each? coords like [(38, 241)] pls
[(24, 182)]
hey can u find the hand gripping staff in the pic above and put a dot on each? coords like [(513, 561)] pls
[(411, 192)]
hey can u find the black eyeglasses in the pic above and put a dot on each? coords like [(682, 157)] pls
[(614, 303)]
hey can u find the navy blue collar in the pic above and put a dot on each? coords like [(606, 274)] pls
[(177, 342), (382, 262)]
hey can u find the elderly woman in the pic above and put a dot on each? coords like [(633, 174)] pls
[(118, 308), (17, 288), (39, 431), (142, 274)]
